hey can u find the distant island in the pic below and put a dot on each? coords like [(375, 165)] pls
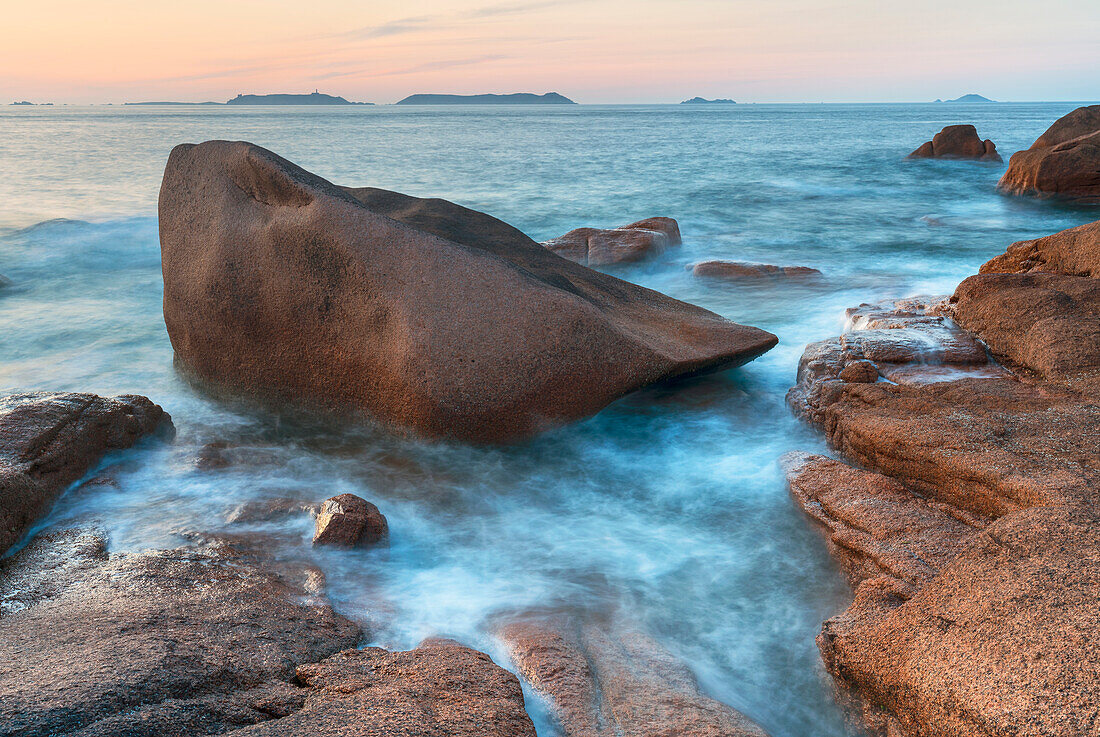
[(313, 98), (705, 101), (969, 98), (518, 98), (27, 102)]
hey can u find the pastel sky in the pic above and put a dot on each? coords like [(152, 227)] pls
[(591, 50)]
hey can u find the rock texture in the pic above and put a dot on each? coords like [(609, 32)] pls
[(625, 244), (957, 142), (347, 520), (1063, 162), (1074, 252), (440, 689), (972, 529), (186, 641), (50, 440), (428, 316), (745, 270), (622, 685)]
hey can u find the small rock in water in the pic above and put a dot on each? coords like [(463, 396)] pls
[(745, 270), (625, 244), (347, 520), (957, 142)]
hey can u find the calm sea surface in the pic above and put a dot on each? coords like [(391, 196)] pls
[(667, 509)]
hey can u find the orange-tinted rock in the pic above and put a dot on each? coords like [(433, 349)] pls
[(625, 244), (1063, 162), (1049, 323), (50, 440), (1074, 252), (965, 433), (876, 526), (448, 323), (347, 520), (957, 142), (615, 685), (745, 270), (185, 641), (1001, 642)]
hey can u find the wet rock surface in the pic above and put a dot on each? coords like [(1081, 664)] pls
[(1063, 162), (604, 682), (194, 640), (430, 317), (735, 270), (625, 244), (347, 521), (957, 142), (440, 689), (49, 440), (971, 529)]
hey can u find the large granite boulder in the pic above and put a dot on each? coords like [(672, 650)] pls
[(1063, 162), (50, 440), (428, 316), (957, 142), (622, 245), (603, 683)]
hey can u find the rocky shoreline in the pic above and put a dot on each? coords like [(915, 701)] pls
[(962, 505), (968, 520)]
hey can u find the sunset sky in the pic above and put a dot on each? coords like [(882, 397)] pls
[(591, 50)]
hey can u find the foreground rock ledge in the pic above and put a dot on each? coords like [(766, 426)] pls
[(426, 315), (973, 529), (50, 440), (206, 640)]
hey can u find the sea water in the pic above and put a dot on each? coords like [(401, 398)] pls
[(667, 509)]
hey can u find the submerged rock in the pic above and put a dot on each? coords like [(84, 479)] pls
[(745, 270), (347, 520), (604, 685), (971, 530), (1063, 162), (427, 315), (50, 440), (625, 244), (957, 142)]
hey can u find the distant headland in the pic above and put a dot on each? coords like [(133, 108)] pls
[(705, 101), (313, 98), (969, 98), (518, 98)]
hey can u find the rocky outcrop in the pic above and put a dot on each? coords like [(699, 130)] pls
[(1074, 252), (440, 689), (957, 142), (623, 685), (346, 521), (50, 440), (428, 316), (625, 244), (971, 530), (736, 270), (1064, 162), (193, 640)]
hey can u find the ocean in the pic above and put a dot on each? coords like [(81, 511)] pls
[(668, 508)]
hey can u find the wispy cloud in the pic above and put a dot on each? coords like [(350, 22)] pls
[(416, 69), (419, 24)]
